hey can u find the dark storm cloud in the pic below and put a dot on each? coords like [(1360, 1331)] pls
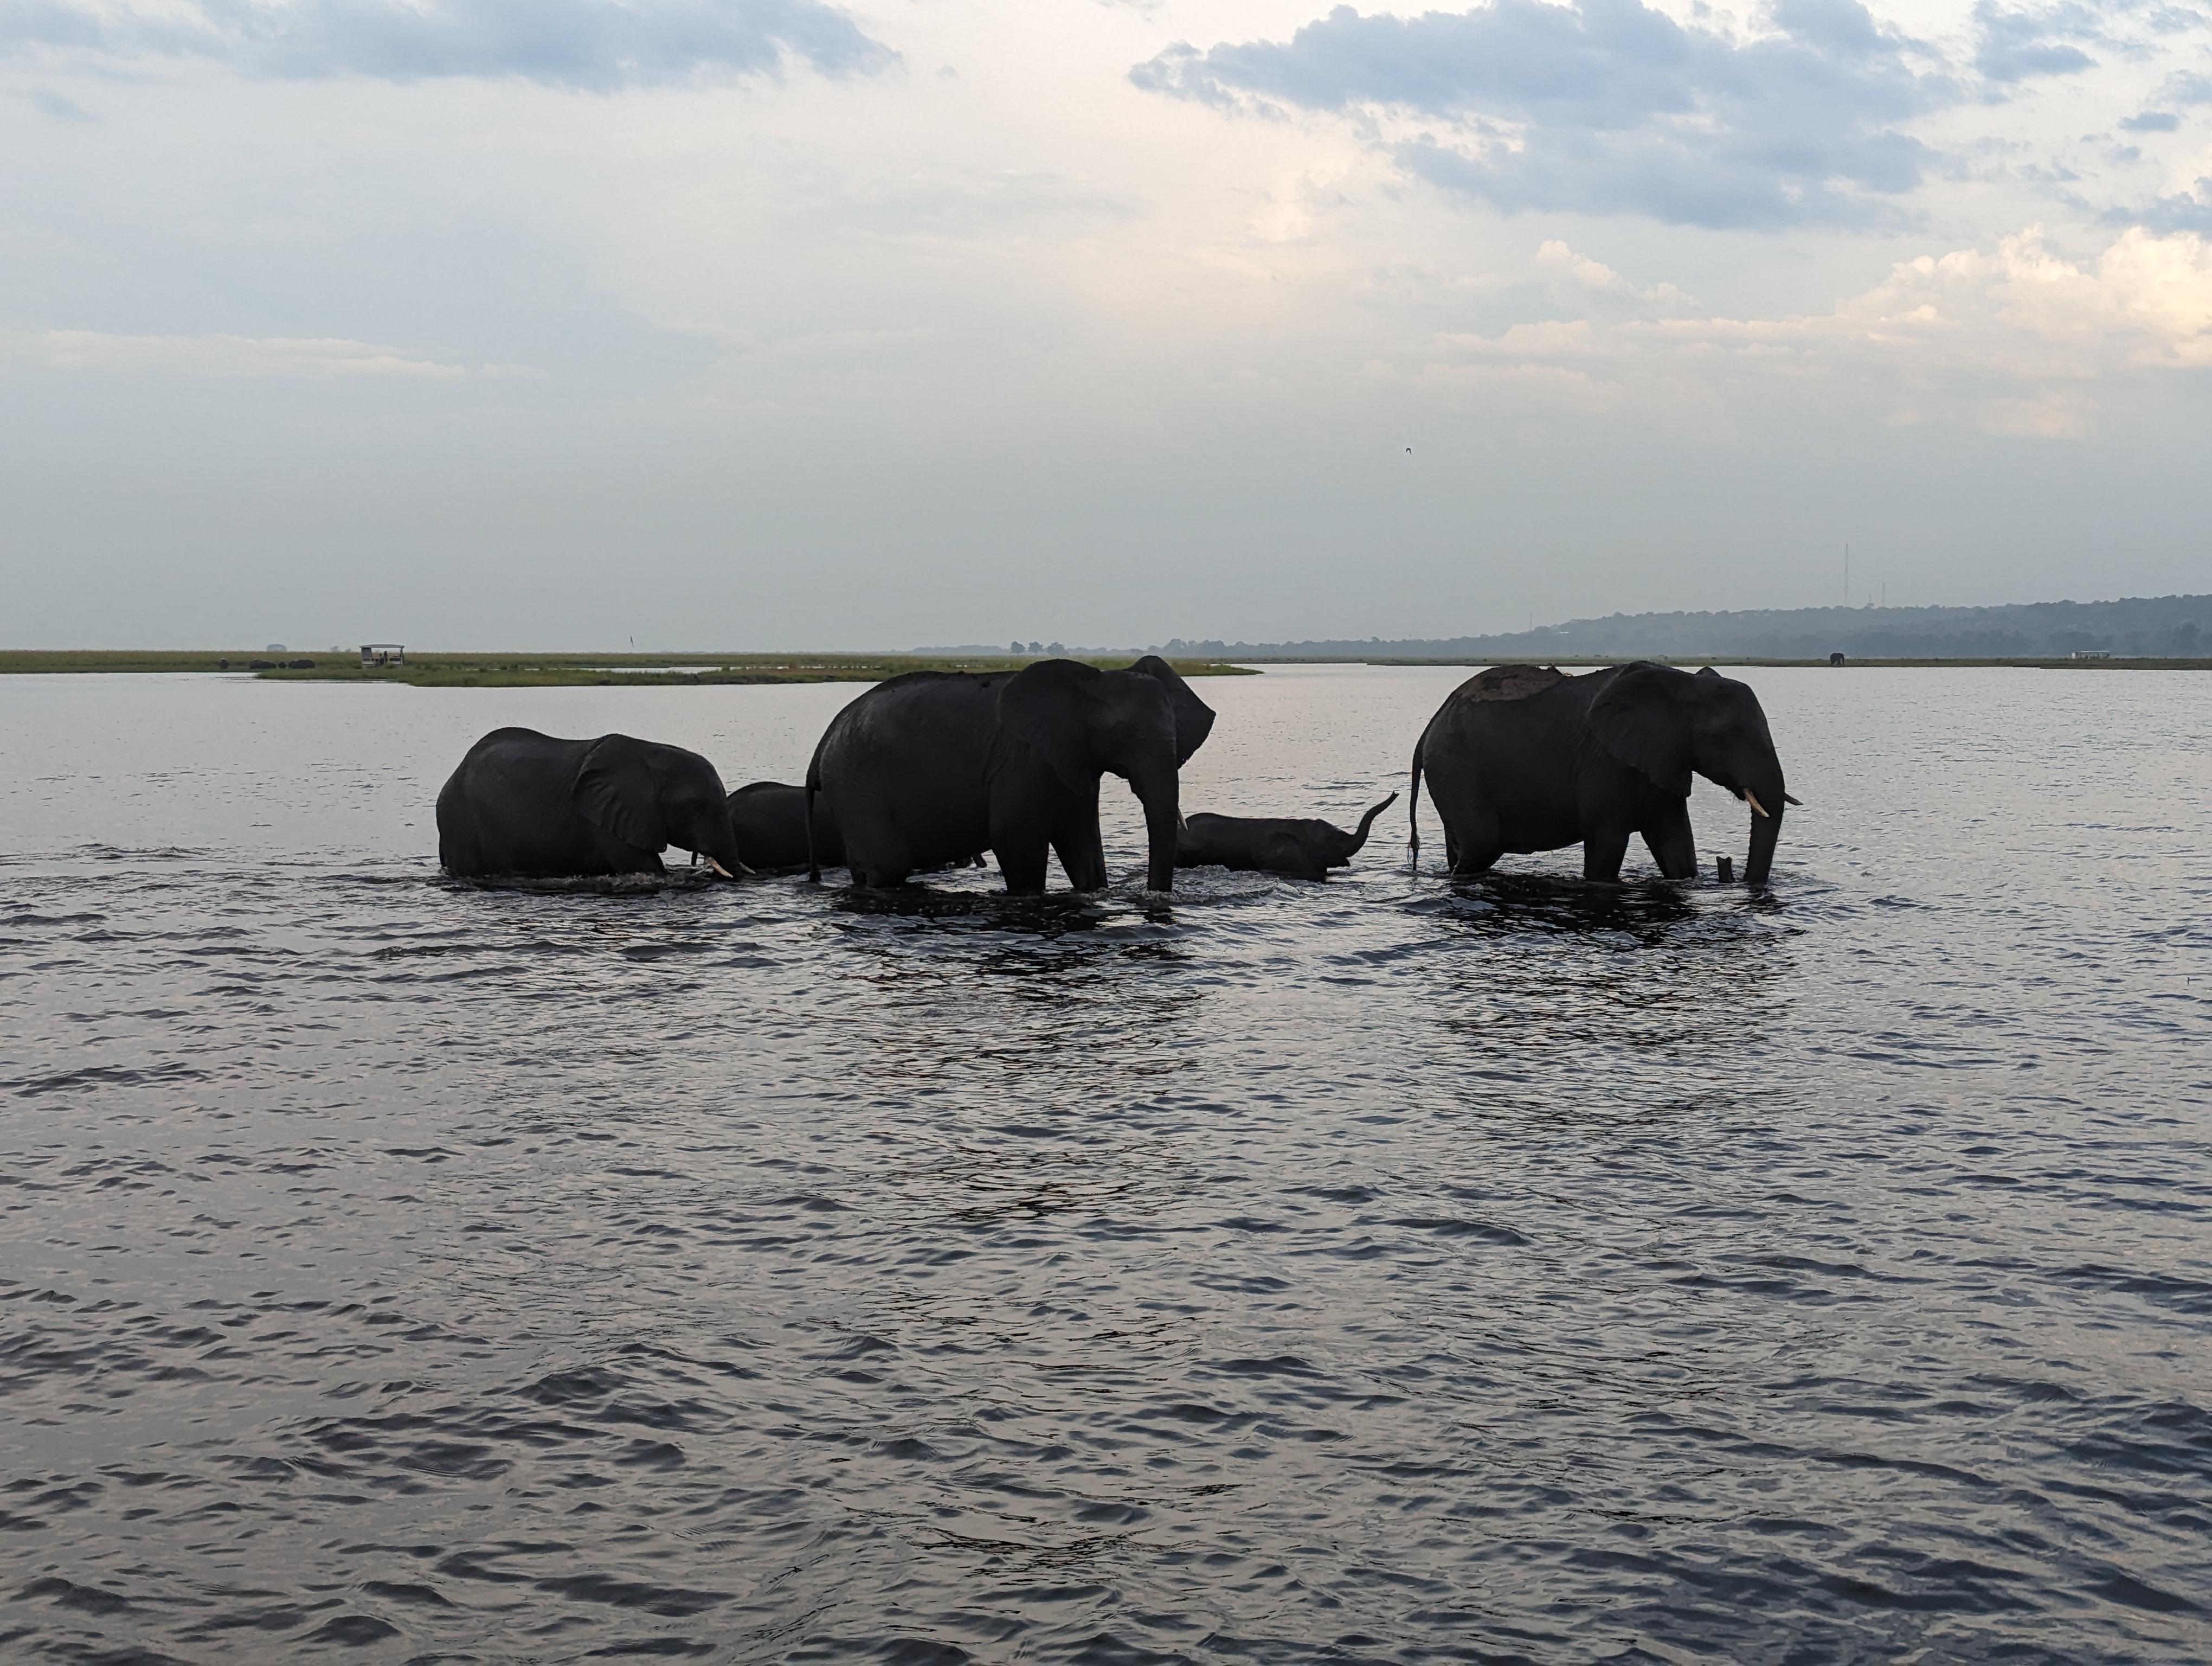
[(1612, 107), (587, 44)]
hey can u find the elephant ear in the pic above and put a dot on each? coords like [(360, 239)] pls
[(1043, 707), (1194, 718), (1640, 718), (619, 793)]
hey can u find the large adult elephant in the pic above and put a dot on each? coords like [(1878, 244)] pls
[(927, 767), (525, 803), (1522, 758)]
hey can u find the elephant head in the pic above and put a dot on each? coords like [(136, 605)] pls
[(1142, 724), (651, 796), (1666, 724)]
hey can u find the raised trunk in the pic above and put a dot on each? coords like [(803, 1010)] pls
[(1360, 839)]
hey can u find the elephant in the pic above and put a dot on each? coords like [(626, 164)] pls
[(928, 768), (1524, 757), (525, 803), (768, 818), (1303, 849)]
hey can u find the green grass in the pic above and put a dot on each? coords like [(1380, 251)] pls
[(524, 670)]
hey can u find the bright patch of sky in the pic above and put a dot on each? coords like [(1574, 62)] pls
[(754, 323)]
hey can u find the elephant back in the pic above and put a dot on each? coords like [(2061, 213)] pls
[(1508, 682)]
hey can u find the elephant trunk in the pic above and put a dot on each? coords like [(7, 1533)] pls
[(714, 839), (1359, 838), (1765, 801), (1159, 794)]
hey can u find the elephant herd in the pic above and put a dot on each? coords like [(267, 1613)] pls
[(933, 768)]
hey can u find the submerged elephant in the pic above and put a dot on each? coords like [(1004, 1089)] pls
[(768, 818), (929, 767), (1304, 850), (1524, 758), (525, 803)]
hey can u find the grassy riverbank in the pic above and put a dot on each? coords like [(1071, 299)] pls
[(513, 670)]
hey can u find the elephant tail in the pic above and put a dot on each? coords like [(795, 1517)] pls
[(1413, 807), (1360, 839), (813, 785)]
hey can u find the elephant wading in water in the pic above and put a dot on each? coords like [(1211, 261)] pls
[(925, 768), (525, 803), (1524, 757), (768, 820), (1304, 850)]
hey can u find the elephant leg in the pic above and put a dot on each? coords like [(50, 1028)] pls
[(1023, 867), (1672, 844), (1603, 850), (1082, 853), (1469, 861)]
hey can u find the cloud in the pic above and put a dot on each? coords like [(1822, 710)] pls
[(2016, 340), (1606, 105), (597, 45), (2187, 88), (255, 358), (2014, 45), (1580, 272), (2151, 121)]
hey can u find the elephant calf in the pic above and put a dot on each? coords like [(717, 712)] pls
[(768, 818), (526, 803), (1303, 849)]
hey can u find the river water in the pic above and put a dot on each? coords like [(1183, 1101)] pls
[(1380, 1270)]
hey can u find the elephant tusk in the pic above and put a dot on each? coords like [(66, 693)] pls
[(1752, 799), (1180, 822), (1791, 798), (724, 872)]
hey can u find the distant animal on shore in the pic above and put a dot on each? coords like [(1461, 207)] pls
[(1524, 758), (1303, 849), (929, 767), (526, 803)]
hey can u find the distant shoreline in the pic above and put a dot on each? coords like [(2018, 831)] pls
[(2037, 663), (511, 670), (532, 671)]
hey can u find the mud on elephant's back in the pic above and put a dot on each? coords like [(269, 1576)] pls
[(1508, 682)]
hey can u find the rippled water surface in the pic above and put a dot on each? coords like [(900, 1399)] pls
[(1381, 1270)]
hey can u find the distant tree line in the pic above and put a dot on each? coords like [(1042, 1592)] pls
[(2153, 626)]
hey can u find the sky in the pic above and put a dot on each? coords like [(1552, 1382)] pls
[(764, 324)]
